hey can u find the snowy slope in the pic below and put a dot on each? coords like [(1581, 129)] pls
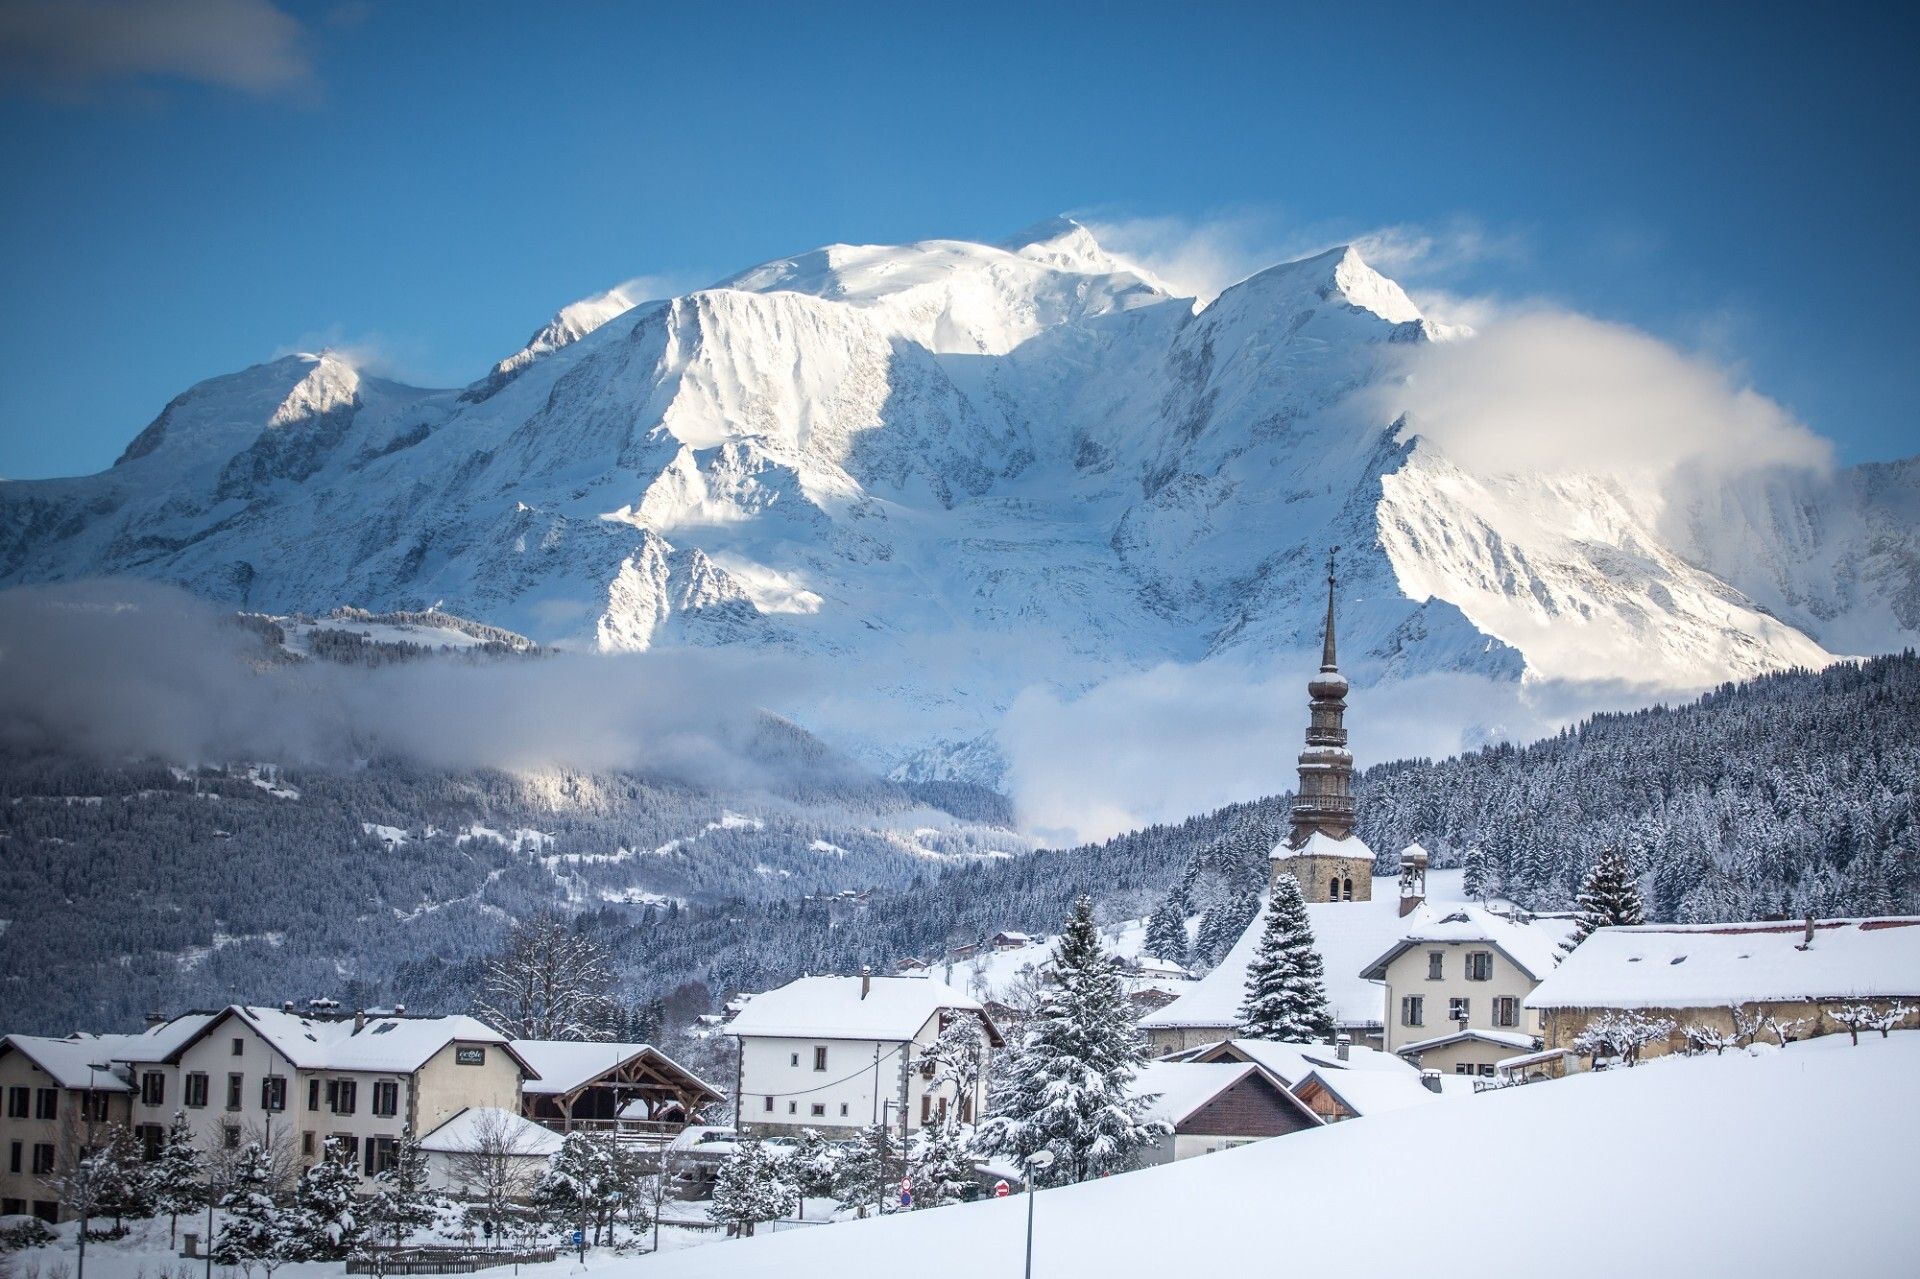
[(969, 469), (1680, 1166)]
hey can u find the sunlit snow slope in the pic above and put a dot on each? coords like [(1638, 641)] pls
[(943, 472)]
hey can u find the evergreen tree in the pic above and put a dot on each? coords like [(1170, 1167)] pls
[(177, 1176), (859, 1170), (813, 1165), (1478, 878), (1609, 897), (940, 1168), (328, 1211), (124, 1184), (750, 1188), (404, 1199), (257, 1231), (1286, 996), (1167, 929), (1069, 1088)]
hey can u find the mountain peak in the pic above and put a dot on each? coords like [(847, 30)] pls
[(1341, 274)]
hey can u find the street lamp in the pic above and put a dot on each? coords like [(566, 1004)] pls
[(1037, 1162)]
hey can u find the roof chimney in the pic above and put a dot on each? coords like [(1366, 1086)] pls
[(359, 1020), (1345, 1043), (1430, 1080), (866, 980), (1413, 878), (286, 1005), (1807, 941), (399, 1010)]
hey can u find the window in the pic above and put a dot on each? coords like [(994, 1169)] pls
[(13, 1157), (17, 1102), (239, 1046), (1459, 1008), (93, 1105), (42, 1158), (1463, 1068), (1506, 1011), (306, 1144), (273, 1092), (46, 1104), (1413, 1010), (1486, 1068), (230, 1136), (819, 1110), (13, 1207), (768, 1107), (793, 1059), (382, 1154), (234, 1084), (149, 1136), (793, 1108), (153, 1088), (386, 1097), (1479, 965), (1333, 889), (819, 1056), (344, 1148), (843, 1110), (1346, 890), (1436, 965), (196, 1089), (343, 1095), (313, 1094), (46, 1210)]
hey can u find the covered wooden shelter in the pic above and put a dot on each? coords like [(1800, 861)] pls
[(633, 1089)]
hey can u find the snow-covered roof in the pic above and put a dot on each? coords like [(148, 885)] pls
[(467, 1131), (1377, 1092), (1290, 1063), (1321, 844), (892, 1008), (1500, 1038), (565, 1065), (1181, 1087), (1709, 965), (1348, 936), (1533, 947), (385, 1043), (67, 1061)]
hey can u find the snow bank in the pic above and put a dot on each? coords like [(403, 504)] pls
[(1715, 1164)]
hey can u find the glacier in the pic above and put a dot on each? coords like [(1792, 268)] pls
[(938, 474)]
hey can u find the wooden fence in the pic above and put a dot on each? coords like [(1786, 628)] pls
[(440, 1261)]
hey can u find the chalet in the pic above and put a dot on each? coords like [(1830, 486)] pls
[(1011, 941), (1336, 1095), (1454, 983), (634, 1089), (1216, 1105), (1771, 981), (838, 1054), (1291, 1063)]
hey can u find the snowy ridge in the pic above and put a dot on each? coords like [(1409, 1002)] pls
[(971, 469)]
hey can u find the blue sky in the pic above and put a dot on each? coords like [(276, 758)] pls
[(197, 185)]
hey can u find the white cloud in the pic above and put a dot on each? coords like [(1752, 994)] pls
[(69, 47), (1547, 390)]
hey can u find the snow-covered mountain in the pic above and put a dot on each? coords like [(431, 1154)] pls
[(947, 471)]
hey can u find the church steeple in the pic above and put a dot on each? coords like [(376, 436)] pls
[(1320, 848)]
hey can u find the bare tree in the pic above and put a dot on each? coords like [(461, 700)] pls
[(1859, 1017), (551, 981), (498, 1167)]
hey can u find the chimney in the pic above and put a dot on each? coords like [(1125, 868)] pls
[(286, 1005), (1430, 1080), (359, 1020), (1413, 878), (399, 1010), (866, 980), (156, 1018), (1345, 1046)]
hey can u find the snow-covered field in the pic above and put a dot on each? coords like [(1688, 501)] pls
[(1790, 1163)]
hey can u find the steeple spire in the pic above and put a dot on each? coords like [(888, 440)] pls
[(1327, 662)]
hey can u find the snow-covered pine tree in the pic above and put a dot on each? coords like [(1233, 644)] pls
[(1222, 926), (859, 1170), (178, 1174), (257, 1231), (328, 1212), (1477, 881), (583, 1185), (750, 1188), (1069, 1088), (1286, 997), (1167, 928), (1607, 898), (812, 1165), (403, 1198), (125, 1188), (940, 1167)]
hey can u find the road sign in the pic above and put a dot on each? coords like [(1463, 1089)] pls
[(1001, 1190)]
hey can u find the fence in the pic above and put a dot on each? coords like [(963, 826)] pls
[(440, 1261)]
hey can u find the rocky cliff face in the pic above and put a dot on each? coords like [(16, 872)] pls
[(939, 473)]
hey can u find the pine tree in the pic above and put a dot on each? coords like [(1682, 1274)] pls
[(1069, 1088), (328, 1211), (257, 1232), (404, 1199), (751, 1188), (1477, 882), (858, 1169), (940, 1169), (177, 1176), (1609, 897), (1167, 929), (1286, 996)]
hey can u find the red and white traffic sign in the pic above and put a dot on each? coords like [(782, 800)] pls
[(1001, 1190)]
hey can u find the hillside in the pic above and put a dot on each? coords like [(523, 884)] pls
[(968, 470), (1553, 1177)]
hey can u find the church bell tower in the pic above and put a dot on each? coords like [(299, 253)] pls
[(1321, 851)]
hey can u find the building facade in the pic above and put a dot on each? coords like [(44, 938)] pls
[(52, 1104)]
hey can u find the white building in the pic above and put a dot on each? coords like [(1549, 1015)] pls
[(1455, 986), (1213, 1106), (841, 1053), (483, 1147)]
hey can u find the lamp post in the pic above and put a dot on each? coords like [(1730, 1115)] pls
[(1037, 1162)]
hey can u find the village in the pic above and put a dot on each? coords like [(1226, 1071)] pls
[(403, 1143)]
